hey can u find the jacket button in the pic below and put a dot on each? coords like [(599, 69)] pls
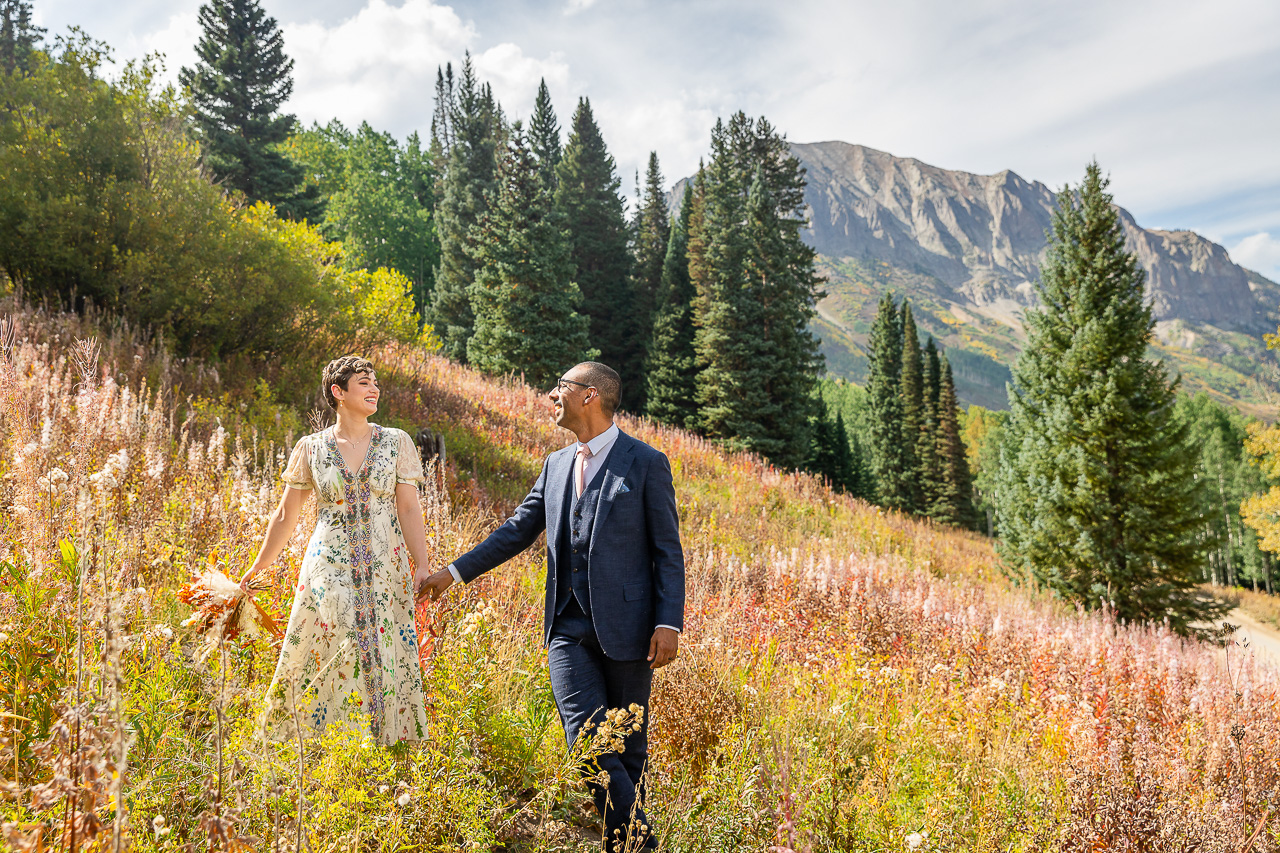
[(575, 571)]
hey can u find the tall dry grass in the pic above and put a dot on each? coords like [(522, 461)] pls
[(849, 679)]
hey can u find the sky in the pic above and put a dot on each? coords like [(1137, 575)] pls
[(1179, 100)]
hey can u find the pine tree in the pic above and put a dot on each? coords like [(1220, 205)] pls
[(653, 231), (587, 196), (756, 290), (884, 384), (845, 473), (525, 303), (19, 39), (672, 367), (237, 87), (446, 104), (928, 463), (469, 181), (953, 501), (544, 137), (861, 477), (1097, 496), (912, 408)]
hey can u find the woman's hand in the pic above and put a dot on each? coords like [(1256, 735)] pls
[(246, 580)]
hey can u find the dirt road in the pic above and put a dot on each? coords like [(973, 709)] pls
[(1261, 640)]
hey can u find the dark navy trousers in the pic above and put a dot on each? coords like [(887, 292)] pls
[(586, 683)]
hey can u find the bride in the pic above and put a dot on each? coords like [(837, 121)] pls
[(350, 652)]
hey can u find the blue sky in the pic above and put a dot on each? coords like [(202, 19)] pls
[(1178, 100)]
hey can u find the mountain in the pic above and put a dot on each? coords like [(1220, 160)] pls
[(966, 250)]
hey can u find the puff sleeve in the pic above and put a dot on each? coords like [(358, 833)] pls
[(408, 462), (297, 474)]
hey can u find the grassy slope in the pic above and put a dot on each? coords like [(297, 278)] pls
[(848, 676)]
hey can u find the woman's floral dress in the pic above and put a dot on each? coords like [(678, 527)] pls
[(350, 652)]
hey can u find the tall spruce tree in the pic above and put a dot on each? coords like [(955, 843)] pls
[(544, 137), (913, 413), (469, 181), (884, 384), (525, 303), (237, 87), (587, 195), (953, 497), (652, 233), (1097, 498), (19, 38), (446, 104), (928, 463), (671, 370), (757, 291)]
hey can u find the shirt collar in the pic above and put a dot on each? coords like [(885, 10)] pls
[(603, 440)]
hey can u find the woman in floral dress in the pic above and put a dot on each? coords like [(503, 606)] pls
[(350, 653)]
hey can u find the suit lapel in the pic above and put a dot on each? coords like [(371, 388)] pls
[(558, 473), (616, 467)]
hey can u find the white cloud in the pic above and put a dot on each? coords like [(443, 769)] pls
[(515, 77), (573, 7), (1259, 252), (378, 65)]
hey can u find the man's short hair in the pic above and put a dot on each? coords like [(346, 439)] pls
[(606, 381), (339, 372)]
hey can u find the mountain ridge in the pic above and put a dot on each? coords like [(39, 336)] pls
[(967, 250)]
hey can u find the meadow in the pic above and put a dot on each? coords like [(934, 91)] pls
[(849, 679)]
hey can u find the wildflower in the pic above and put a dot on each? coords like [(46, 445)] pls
[(916, 839), (166, 632), (382, 789), (403, 800), (3, 636)]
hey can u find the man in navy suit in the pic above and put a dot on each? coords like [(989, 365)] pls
[(615, 579)]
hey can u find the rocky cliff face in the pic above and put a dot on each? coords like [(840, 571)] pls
[(982, 237)]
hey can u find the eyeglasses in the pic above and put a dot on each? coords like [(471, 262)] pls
[(562, 384)]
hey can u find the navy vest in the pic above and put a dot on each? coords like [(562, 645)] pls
[(573, 579)]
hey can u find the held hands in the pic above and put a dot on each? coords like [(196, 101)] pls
[(432, 586), (663, 648)]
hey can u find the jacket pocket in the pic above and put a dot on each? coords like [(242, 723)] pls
[(635, 591)]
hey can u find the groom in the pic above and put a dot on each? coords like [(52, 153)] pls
[(615, 579)]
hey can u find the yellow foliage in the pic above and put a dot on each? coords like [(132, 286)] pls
[(1262, 512)]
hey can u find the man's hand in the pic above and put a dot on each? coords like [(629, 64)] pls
[(663, 647), (435, 585)]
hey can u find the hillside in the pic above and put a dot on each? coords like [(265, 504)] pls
[(967, 248), (848, 677)]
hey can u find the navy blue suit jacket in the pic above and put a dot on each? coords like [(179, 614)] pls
[(635, 559)]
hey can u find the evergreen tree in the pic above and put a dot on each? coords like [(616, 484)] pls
[(861, 482), (544, 137), (525, 303), (469, 181), (441, 117), (672, 367), (587, 196), (845, 473), (1097, 496), (756, 290), (928, 463), (888, 458), (653, 231), (237, 88), (912, 408), (953, 501), (18, 38)]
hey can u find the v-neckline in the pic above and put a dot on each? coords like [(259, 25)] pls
[(342, 460)]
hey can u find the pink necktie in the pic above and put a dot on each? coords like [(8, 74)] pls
[(580, 470)]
